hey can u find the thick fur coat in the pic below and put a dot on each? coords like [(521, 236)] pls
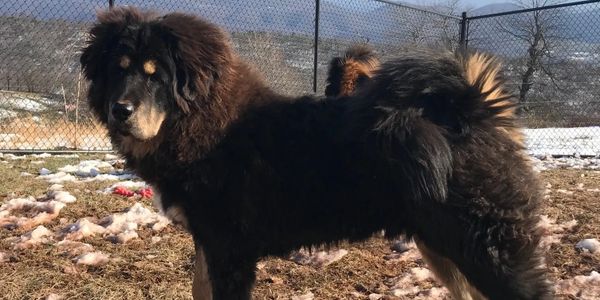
[(415, 151)]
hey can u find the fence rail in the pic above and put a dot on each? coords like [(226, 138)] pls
[(42, 94)]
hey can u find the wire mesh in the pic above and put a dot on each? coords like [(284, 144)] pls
[(551, 59), (42, 93)]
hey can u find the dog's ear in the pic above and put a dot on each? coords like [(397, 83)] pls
[(202, 56), (104, 34), (93, 56)]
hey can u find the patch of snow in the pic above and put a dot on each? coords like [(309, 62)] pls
[(119, 227), (25, 174), (21, 103), (81, 229), (44, 171), (123, 237), (581, 287), (28, 212), (406, 285), (62, 196), (129, 184), (319, 258), (552, 231), (92, 259), (73, 248), (56, 187), (589, 245), (54, 297), (563, 141), (87, 168), (35, 237), (111, 157), (60, 177), (307, 296), (546, 162)]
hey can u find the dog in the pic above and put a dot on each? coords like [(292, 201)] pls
[(349, 72), (416, 151)]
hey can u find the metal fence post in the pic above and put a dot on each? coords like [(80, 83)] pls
[(463, 31), (316, 46), (111, 3)]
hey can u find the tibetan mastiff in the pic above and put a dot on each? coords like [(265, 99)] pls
[(416, 150), (348, 73)]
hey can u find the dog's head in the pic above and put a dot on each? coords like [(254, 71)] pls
[(148, 71)]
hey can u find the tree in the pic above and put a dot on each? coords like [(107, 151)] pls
[(539, 30)]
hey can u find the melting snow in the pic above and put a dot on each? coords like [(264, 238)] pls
[(60, 177), (563, 141), (37, 236), (553, 232), (319, 258), (119, 227), (589, 245), (73, 248), (581, 287), (92, 259), (28, 212)]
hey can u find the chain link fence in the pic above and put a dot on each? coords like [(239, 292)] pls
[(42, 93), (552, 63)]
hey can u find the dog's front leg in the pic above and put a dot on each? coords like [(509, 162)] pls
[(201, 287), (230, 272)]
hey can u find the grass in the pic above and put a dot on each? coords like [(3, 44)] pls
[(142, 269)]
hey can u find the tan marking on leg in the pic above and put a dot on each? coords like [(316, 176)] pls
[(201, 287), (447, 272), (176, 215)]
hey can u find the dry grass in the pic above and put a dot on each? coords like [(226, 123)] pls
[(56, 134), (141, 269)]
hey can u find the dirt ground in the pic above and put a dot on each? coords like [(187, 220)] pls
[(158, 265)]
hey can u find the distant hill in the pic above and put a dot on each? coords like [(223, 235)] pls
[(340, 20), (493, 9)]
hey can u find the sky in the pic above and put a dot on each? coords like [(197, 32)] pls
[(466, 3)]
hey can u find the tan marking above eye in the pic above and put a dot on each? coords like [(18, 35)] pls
[(150, 67), (124, 62)]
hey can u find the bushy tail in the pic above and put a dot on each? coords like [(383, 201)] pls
[(455, 91), (350, 71), (484, 72)]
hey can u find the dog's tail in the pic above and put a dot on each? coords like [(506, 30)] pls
[(454, 91), (419, 104), (484, 72), (350, 71)]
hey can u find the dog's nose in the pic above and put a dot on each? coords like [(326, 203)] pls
[(122, 111)]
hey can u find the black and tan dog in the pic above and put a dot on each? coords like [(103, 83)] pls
[(417, 150)]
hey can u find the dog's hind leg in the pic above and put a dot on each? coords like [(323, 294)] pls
[(201, 287), (449, 275), (499, 258)]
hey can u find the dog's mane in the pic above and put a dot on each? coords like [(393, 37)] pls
[(213, 83)]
